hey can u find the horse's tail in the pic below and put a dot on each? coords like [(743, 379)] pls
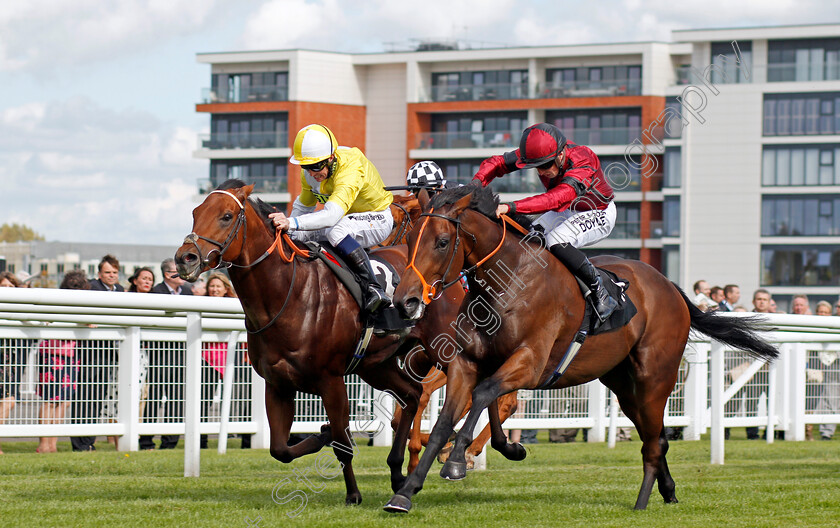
[(738, 332)]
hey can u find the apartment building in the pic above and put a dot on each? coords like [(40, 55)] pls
[(722, 145)]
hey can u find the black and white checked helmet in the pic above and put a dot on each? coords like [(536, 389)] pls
[(425, 174)]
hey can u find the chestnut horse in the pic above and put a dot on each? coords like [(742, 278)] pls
[(520, 316), (303, 326)]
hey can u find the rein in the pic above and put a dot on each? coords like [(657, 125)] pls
[(430, 291), (281, 238), (405, 225)]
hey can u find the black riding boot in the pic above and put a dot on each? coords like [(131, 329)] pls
[(575, 260), (376, 298)]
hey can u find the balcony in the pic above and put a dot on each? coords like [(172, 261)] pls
[(243, 140), (247, 94), (626, 230), (604, 135), (617, 87), (459, 140), (479, 92), (803, 71)]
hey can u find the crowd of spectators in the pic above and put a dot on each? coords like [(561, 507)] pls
[(77, 380)]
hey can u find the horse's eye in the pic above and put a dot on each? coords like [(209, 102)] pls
[(442, 243), (227, 217)]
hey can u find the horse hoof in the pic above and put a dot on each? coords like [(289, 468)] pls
[(515, 452), (671, 500), (353, 500), (398, 504), (454, 470), (470, 464)]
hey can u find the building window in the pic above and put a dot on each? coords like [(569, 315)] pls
[(803, 60), (671, 216), (266, 175), (621, 175), (486, 130), (246, 87), (44, 267), (800, 265), (598, 81), (627, 221), (801, 114), (671, 121), (91, 270), (729, 67), (10, 267), (480, 85), (800, 215), (598, 127), (671, 263), (673, 168), (248, 131), (59, 268), (800, 165)]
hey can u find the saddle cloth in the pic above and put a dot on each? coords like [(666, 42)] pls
[(385, 320)]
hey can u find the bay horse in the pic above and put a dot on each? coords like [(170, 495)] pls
[(520, 316), (303, 326), (406, 211)]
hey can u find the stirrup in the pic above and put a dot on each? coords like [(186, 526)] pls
[(604, 307), (376, 300)]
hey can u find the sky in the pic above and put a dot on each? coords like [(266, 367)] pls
[(97, 97)]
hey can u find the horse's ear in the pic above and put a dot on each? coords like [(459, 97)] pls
[(461, 204), (423, 198), (247, 190)]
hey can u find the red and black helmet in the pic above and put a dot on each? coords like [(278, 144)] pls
[(540, 143)]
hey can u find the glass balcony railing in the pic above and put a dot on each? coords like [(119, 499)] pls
[(625, 230), (657, 229), (262, 184), (803, 71), (556, 90), (604, 135), (243, 140), (581, 136), (479, 92), (245, 95), (451, 140)]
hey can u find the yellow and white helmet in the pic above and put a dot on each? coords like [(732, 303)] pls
[(313, 143)]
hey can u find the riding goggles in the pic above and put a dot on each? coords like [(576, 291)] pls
[(316, 167)]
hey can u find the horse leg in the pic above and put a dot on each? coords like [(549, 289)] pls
[(334, 397), (406, 390), (462, 376), (517, 371), (499, 411), (418, 439), (280, 409), (631, 390)]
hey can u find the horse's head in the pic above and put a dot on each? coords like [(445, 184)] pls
[(218, 233), (435, 251)]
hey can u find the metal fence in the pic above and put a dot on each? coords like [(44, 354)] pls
[(120, 364)]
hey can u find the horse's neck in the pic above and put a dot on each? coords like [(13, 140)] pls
[(515, 260)]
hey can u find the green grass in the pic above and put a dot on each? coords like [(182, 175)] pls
[(783, 484)]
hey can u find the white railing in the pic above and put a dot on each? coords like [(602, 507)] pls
[(144, 369)]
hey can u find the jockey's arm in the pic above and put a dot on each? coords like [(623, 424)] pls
[(298, 209), (326, 217), (496, 166)]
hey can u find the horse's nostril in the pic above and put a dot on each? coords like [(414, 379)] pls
[(190, 257)]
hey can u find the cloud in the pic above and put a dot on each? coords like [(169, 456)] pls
[(75, 171), (38, 34)]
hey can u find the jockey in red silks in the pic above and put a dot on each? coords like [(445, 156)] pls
[(577, 206)]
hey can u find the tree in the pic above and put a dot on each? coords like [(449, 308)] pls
[(18, 233)]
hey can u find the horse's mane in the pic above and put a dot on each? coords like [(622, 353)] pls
[(263, 209), (484, 201)]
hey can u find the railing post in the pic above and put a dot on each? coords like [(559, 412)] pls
[(227, 389), (262, 438), (696, 390), (383, 412), (192, 397), (772, 380), (597, 411), (717, 372), (480, 461), (799, 360), (129, 389)]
